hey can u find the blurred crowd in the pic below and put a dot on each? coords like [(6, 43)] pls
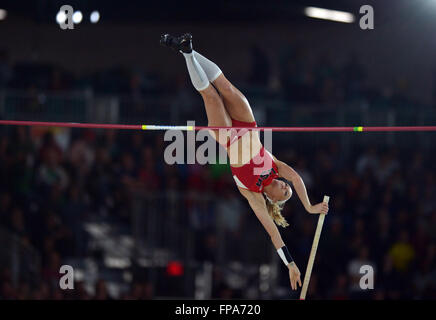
[(383, 212), (383, 209), (49, 187)]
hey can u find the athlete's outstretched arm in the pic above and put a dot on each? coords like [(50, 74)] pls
[(257, 204), (290, 174)]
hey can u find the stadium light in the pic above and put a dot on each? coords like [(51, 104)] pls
[(61, 17), (77, 17), (3, 14), (327, 14), (95, 16)]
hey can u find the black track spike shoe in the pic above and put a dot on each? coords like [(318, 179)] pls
[(169, 41), (185, 43), (182, 43)]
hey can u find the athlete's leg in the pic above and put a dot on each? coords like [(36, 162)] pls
[(235, 102), (217, 115)]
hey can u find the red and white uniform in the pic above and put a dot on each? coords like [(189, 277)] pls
[(260, 171)]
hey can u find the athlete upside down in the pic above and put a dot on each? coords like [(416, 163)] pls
[(259, 175)]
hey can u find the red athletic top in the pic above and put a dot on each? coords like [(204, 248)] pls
[(256, 174)]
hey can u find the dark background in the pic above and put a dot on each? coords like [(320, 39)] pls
[(133, 227)]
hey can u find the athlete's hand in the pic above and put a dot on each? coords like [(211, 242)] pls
[(321, 207), (294, 275)]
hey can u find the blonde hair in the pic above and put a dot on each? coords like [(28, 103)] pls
[(274, 211)]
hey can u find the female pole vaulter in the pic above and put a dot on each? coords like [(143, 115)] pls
[(260, 177)]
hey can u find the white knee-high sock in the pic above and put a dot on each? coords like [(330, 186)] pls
[(198, 76), (211, 69)]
